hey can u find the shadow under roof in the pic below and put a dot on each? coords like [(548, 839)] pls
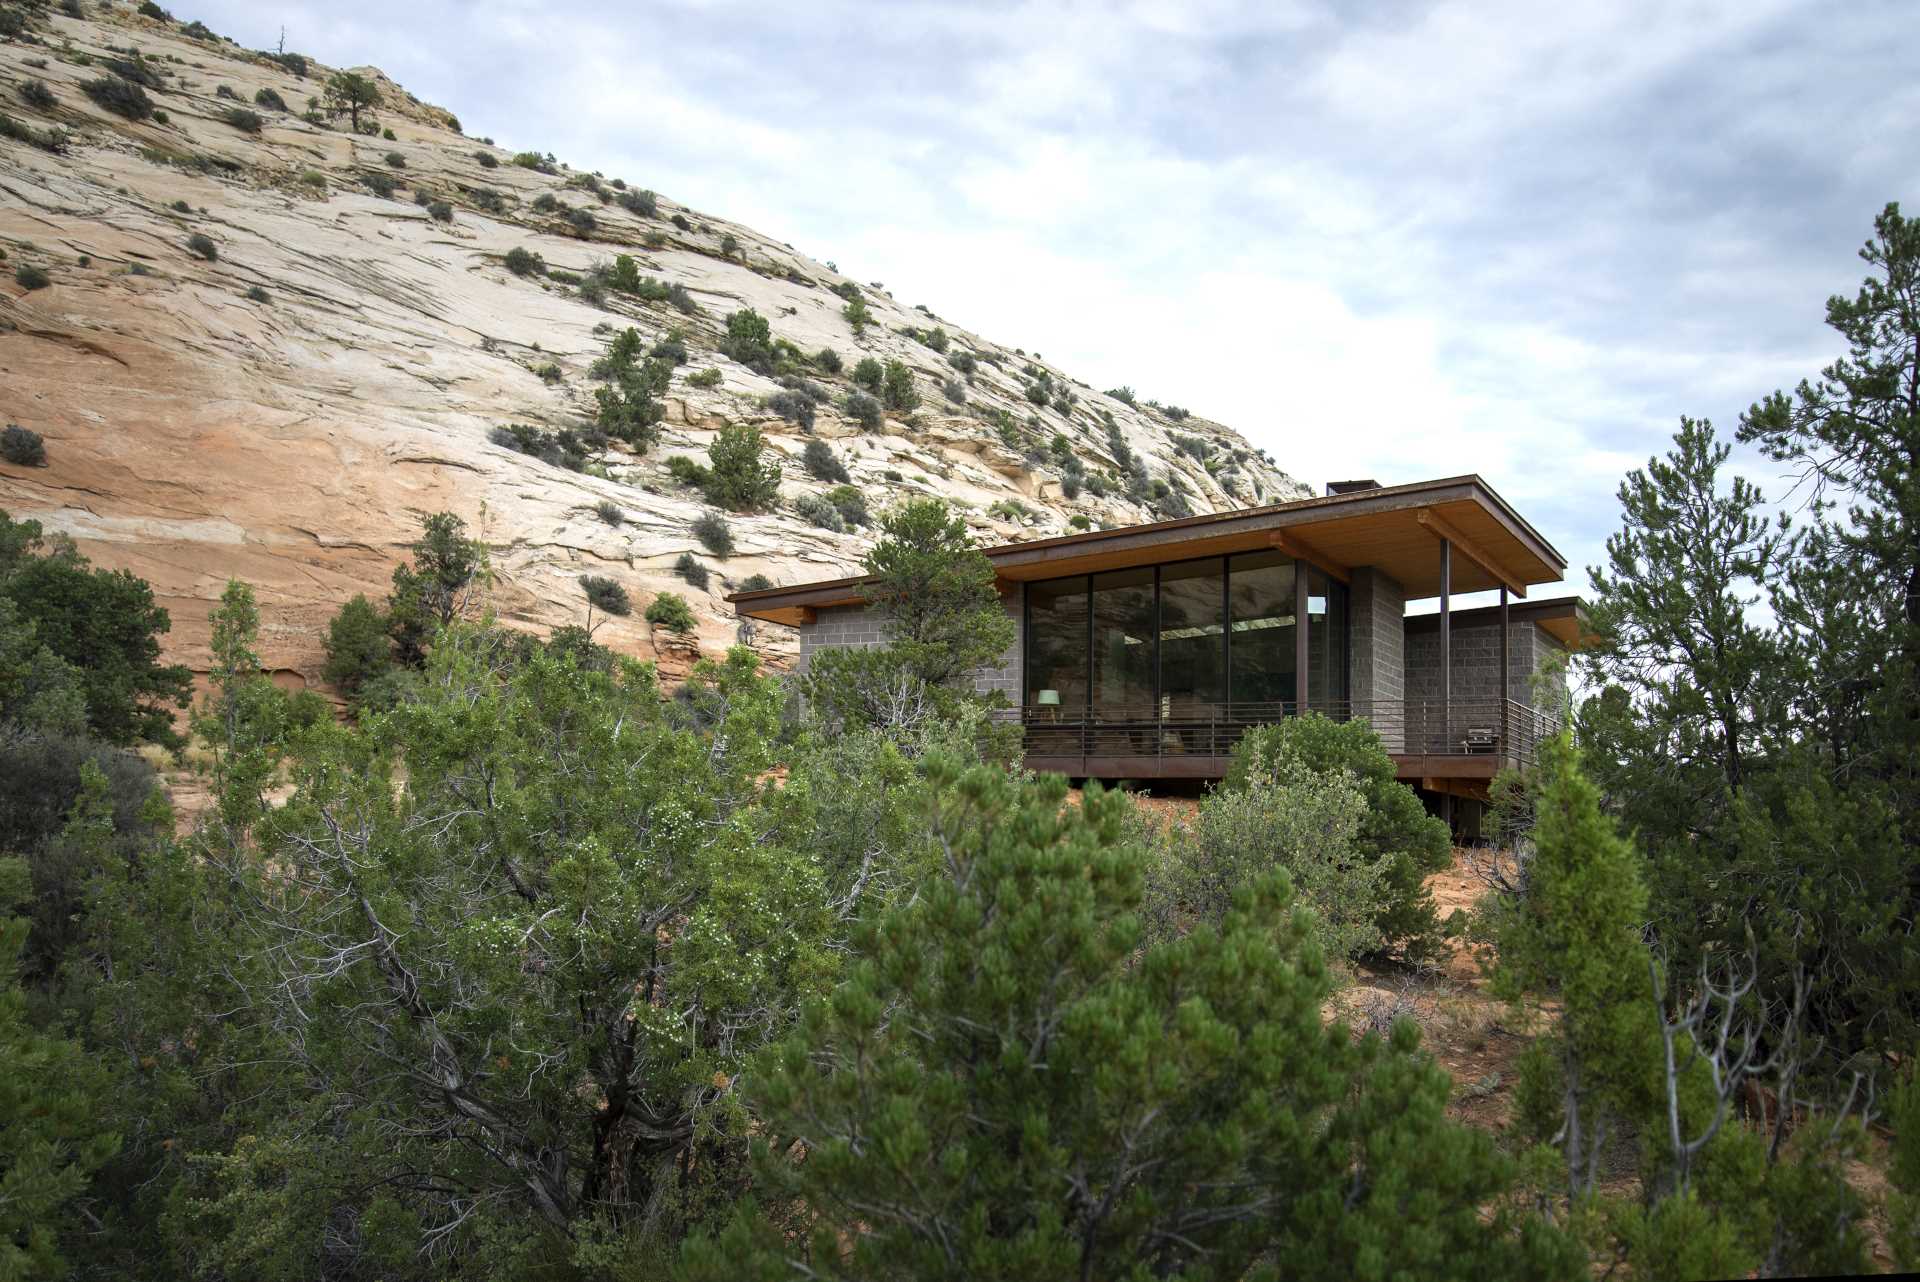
[(1397, 529)]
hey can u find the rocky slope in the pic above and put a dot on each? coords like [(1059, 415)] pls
[(287, 411)]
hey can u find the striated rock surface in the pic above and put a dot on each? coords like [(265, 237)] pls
[(195, 433)]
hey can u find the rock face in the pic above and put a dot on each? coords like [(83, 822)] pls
[(287, 411)]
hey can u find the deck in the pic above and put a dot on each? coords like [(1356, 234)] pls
[(1455, 747)]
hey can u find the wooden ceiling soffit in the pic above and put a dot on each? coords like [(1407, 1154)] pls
[(1467, 547), (1299, 549)]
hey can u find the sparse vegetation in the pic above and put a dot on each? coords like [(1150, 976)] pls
[(201, 245), (850, 503), (823, 464), (755, 583), (378, 183), (486, 159), (749, 340), (120, 96), (715, 535), (642, 203), (440, 211), (22, 447), (395, 160), (815, 509), (857, 316), (794, 407), (696, 575), (524, 262), (563, 448), (705, 378), (269, 99), (828, 360), (247, 122), (738, 478), (670, 610), (30, 277), (864, 410), (897, 389), (609, 511), (350, 94), (606, 595), (257, 294), (36, 95)]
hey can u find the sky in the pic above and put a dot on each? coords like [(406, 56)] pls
[(1389, 240)]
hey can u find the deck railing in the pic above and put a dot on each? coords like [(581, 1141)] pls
[(1503, 728)]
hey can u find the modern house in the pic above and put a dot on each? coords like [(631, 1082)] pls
[(1145, 652)]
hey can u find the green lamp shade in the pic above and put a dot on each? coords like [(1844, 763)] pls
[(1048, 698)]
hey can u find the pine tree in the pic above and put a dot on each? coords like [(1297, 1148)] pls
[(936, 592)]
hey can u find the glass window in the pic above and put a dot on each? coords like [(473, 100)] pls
[(1057, 644), (1326, 643), (1123, 640), (1192, 632), (1263, 653)]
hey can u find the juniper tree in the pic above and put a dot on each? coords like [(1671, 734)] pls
[(935, 592), (1000, 1089), (348, 94)]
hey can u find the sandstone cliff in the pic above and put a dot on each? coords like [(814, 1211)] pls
[(288, 410)]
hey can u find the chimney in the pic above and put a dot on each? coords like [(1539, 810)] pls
[(1351, 487)]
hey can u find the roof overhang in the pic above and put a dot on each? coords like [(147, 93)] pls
[(1563, 618), (1397, 529)]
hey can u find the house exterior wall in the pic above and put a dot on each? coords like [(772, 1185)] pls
[(1377, 627), (1476, 662), (859, 627)]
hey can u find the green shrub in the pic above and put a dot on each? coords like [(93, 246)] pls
[(962, 361), (532, 160), (549, 373), (36, 95), (395, 160), (440, 211), (610, 512), (255, 294), (715, 535), (148, 9), (1122, 394), (642, 203), (864, 410), (954, 391), (294, 62), (749, 340), (487, 199), (851, 504), (689, 568), (1080, 521), (817, 510), (227, 92), (670, 610), (671, 346), (314, 178), (737, 478), (357, 645), (122, 97), (134, 70), (728, 245), (29, 277), (827, 359), (200, 245), (582, 221), (1010, 510), (823, 464), (1395, 829), (269, 99), (605, 595), (563, 448), (755, 583), (709, 377), (897, 388), (524, 262), (688, 472), (387, 135), (857, 316), (22, 447), (378, 183), (870, 374), (794, 407), (680, 221), (486, 160)]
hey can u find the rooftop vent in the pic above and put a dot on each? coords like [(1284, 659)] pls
[(1351, 487)]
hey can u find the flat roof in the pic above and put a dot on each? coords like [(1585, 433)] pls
[(1396, 528), (1564, 618)]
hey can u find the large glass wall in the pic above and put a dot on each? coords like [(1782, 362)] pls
[(1057, 644), (1262, 604), (1178, 642), (1193, 657), (1123, 642), (1326, 641)]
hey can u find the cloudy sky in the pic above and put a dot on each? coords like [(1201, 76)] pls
[(1381, 239)]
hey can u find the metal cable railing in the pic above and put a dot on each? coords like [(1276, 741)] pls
[(1504, 728)]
